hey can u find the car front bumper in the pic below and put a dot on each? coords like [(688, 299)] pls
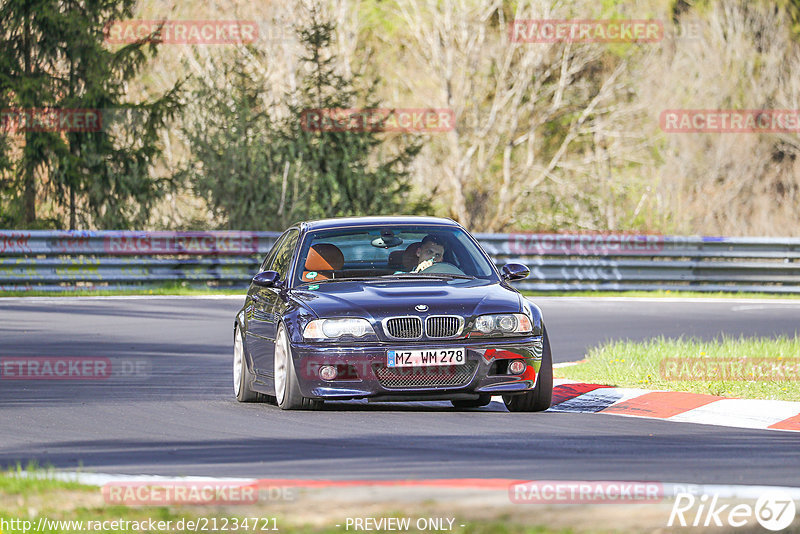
[(363, 371)]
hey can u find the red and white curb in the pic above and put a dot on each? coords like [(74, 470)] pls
[(577, 397)]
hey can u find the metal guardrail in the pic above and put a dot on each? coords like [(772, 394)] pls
[(61, 261), (618, 262)]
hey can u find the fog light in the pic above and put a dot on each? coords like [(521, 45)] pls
[(327, 372), (516, 367)]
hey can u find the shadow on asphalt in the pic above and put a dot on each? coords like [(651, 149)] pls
[(416, 455)]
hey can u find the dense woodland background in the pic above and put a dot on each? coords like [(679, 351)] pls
[(548, 137)]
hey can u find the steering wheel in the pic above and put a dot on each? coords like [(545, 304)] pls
[(444, 268)]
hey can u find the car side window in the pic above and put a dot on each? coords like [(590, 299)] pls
[(284, 253), (271, 254)]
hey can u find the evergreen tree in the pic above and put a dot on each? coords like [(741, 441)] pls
[(352, 171), (30, 54), (56, 58), (240, 158), (257, 171), (6, 176)]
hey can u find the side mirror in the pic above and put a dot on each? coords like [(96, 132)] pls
[(267, 279), (515, 271)]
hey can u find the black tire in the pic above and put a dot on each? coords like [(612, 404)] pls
[(539, 398), (483, 400), (287, 389), (242, 377)]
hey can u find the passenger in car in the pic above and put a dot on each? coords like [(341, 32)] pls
[(429, 252)]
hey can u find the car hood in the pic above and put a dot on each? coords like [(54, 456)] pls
[(380, 299)]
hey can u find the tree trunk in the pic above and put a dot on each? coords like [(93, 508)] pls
[(29, 184)]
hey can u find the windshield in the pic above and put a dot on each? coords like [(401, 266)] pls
[(390, 252)]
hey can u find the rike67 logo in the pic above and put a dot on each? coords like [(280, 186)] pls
[(774, 510)]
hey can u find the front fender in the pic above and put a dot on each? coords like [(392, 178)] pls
[(535, 314)]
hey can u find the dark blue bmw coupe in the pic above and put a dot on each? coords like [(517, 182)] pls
[(388, 309)]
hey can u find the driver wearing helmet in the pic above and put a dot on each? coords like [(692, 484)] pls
[(430, 251)]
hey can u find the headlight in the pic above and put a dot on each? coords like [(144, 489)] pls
[(503, 323), (334, 328)]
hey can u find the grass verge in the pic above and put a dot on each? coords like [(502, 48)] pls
[(33, 501), (755, 368)]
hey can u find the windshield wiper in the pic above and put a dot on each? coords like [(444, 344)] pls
[(357, 278), (346, 279), (385, 276), (430, 275)]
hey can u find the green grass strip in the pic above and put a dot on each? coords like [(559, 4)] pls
[(33, 498), (753, 368)]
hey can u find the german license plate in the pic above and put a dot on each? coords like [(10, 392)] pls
[(425, 357)]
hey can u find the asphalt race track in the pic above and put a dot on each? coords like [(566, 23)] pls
[(172, 411)]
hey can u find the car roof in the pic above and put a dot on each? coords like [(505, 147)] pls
[(344, 222)]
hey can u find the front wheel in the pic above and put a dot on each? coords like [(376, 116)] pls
[(287, 389), (539, 398)]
